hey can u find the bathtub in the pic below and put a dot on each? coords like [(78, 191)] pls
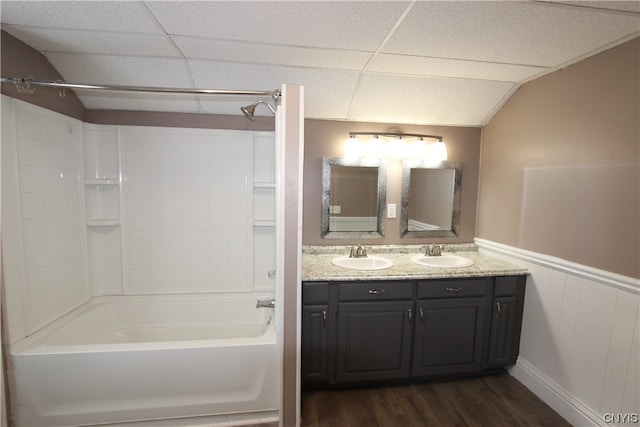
[(148, 358)]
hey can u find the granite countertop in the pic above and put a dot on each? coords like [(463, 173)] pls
[(316, 264)]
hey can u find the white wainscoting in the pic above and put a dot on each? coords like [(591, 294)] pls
[(579, 350)]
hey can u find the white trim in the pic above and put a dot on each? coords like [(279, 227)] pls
[(570, 408), (608, 278)]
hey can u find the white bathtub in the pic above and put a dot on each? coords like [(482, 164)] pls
[(139, 358)]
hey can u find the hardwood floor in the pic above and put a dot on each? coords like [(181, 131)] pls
[(491, 400)]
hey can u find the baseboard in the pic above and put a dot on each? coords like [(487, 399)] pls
[(570, 408)]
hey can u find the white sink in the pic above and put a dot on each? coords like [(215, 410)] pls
[(368, 263), (443, 261)]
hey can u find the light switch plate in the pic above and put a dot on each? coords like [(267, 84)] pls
[(391, 210)]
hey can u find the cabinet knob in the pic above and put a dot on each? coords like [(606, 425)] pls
[(410, 313), (421, 314), (498, 309), (324, 317)]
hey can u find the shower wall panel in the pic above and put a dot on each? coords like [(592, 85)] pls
[(43, 228), (188, 212)]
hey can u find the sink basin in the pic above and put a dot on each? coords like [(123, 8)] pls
[(443, 261), (368, 263)]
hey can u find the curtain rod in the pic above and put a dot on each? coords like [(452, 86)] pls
[(27, 85)]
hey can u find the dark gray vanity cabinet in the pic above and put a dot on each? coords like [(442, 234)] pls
[(506, 320), (375, 323), (315, 333), (450, 326), (377, 331)]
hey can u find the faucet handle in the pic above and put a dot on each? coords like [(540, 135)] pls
[(433, 250), (363, 251)]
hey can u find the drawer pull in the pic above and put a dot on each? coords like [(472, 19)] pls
[(376, 291), (498, 309), (453, 289)]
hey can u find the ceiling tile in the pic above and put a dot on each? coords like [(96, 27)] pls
[(121, 70), (127, 16), (94, 42), (127, 71), (94, 100), (526, 33), (329, 91), (420, 100), (341, 25), (421, 66), (232, 51)]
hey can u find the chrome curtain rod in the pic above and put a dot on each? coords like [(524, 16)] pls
[(396, 134), (27, 85)]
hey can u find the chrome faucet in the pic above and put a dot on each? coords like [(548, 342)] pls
[(358, 252), (433, 250), (266, 303)]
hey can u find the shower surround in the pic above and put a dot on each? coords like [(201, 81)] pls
[(95, 211)]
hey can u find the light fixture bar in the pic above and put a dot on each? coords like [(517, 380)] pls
[(396, 134)]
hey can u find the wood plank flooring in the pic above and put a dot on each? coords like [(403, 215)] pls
[(490, 400)]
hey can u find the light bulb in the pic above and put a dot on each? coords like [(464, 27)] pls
[(438, 151), (352, 149), (419, 150), (375, 148), (397, 148)]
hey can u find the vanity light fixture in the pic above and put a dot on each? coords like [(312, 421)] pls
[(396, 145)]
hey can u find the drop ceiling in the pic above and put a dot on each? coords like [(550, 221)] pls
[(417, 62)]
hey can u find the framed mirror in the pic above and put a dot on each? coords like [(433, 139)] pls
[(430, 199), (353, 198)]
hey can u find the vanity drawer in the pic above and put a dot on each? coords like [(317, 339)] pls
[(375, 291), (507, 286), (315, 292), (452, 288)]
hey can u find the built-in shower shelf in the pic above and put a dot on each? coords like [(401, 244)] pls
[(264, 223), (264, 185), (101, 182), (103, 222)]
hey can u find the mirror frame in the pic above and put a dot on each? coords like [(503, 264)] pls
[(381, 164), (404, 214)]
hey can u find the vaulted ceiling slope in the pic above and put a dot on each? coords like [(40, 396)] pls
[(415, 62)]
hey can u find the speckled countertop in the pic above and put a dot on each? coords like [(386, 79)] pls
[(316, 264)]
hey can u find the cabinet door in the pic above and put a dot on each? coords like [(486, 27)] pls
[(502, 350), (449, 336), (314, 351), (374, 341)]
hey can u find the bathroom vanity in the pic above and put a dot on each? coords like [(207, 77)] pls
[(408, 322)]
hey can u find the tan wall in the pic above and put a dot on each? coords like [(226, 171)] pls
[(21, 61), (325, 138), (560, 162)]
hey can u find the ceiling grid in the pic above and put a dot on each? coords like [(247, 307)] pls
[(414, 62)]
